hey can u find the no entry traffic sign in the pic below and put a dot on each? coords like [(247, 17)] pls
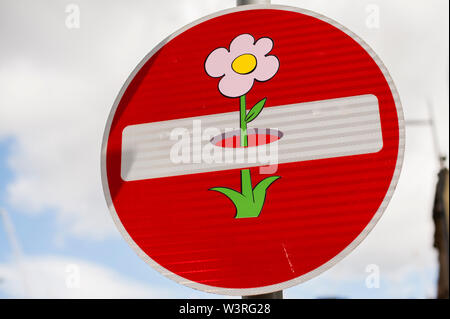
[(252, 150)]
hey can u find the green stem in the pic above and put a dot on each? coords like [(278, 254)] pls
[(243, 111), (246, 180), (246, 184)]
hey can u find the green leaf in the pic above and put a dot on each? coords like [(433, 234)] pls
[(233, 195), (261, 189), (255, 110), (240, 202), (247, 207)]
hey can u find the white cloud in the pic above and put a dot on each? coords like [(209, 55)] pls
[(408, 281), (56, 96), (62, 277), (55, 159), (58, 86)]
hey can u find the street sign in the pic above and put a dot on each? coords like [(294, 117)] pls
[(252, 150)]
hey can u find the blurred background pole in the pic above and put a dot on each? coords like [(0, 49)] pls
[(440, 211), (440, 217), (276, 294)]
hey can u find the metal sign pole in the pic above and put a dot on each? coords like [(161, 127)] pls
[(271, 295), (244, 2), (276, 294)]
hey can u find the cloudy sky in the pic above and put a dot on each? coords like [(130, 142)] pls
[(57, 87)]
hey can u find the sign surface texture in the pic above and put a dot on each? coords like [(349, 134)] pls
[(252, 150)]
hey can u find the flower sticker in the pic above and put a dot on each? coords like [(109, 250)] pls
[(239, 67)]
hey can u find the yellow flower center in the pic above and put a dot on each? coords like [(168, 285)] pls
[(244, 64)]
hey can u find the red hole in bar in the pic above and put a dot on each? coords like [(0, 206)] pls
[(253, 140)]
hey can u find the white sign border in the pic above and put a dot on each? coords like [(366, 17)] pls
[(304, 277)]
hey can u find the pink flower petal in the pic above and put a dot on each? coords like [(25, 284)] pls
[(218, 62), (241, 44), (235, 85), (263, 46), (266, 69)]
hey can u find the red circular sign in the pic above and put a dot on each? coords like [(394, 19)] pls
[(315, 88)]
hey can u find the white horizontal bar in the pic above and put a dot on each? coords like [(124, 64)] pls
[(314, 130)]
